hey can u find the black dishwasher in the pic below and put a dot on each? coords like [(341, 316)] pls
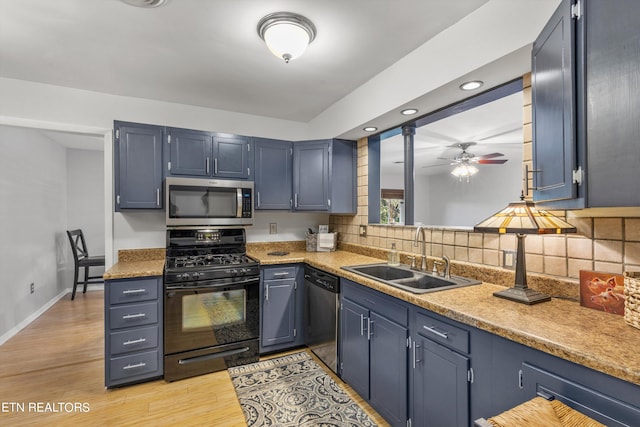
[(321, 315)]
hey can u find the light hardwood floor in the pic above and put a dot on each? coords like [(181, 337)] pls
[(58, 360)]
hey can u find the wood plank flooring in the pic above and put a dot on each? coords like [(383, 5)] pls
[(58, 361)]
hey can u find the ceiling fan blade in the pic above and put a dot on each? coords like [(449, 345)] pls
[(492, 162), (490, 155)]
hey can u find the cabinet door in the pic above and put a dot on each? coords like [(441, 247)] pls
[(342, 177), (273, 174), (388, 358), (231, 157), (354, 343), (189, 152), (279, 312), (612, 67), (554, 108), (138, 177), (440, 387), (311, 175)]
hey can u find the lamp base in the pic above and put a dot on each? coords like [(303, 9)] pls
[(522, 295)]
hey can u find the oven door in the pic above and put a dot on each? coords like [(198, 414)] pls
[(211, 313)]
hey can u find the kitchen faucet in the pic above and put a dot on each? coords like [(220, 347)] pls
[(423, 265)]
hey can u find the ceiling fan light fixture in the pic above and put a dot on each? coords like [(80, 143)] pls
[(409, 111), (464, 170), (471, 85), (286, 34)]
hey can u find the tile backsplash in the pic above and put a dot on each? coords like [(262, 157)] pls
[(601, 244)]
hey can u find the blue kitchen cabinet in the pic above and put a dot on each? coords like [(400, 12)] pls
[(324, 176), (273, 174), (441, 373), (585, 132), (138, 166), (133, 330), (374, 349), (282, 318), (196, 153)]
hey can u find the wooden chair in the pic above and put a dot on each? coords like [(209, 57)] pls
[(81, 258)]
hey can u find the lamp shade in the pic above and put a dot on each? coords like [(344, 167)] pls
[(286, 34), (523, 217)]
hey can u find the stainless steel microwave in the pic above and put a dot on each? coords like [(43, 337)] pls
[(202, 201)]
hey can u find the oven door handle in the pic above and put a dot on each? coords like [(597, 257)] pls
[(213, 285)]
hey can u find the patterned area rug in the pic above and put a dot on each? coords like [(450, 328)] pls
[(294, 391)]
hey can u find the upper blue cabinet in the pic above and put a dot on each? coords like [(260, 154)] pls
[(585, 81), (138, 166), (208, 154), (315, 176)]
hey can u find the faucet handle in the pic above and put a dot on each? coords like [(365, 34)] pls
[(413, 262), (436, 263)]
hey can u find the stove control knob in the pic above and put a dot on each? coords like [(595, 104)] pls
[(234, 271), (185, 276), (196, 275)]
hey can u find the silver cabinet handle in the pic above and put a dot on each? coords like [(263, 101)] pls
[(415, 355), (134, 316), (433, 330), (369, 325), (137, 365), (295, 200), (134, 291), (266, 293), (361, 324), (207, 165), (131, 342), (157, 197), (215, 166), (258, 199), (284, 273)]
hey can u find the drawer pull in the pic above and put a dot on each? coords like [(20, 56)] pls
[(137, 365), (134, 316), (138, 341), (433, 330), (133, 291), (281, 274)]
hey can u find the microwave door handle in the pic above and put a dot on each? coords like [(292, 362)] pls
[(238, 202)]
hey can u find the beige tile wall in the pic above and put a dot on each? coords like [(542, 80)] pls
[(603, 244)]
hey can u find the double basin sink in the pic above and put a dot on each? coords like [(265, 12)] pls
[(403, 277)]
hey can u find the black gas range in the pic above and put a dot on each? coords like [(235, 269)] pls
[(211, 303)]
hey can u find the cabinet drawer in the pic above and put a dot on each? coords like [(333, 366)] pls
[(444, 333), (129, 315), (133, 290), (134, 340), (380, 303), (133, 365), (276, 273)]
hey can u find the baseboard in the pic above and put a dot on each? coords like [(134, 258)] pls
[(20, 326)]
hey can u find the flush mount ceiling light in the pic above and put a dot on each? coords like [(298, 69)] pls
[(145, 3), (409, 111), (472, 85), (286, 34), (370, 129)]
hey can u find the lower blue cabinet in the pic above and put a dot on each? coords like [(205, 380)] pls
[(374, 338), (281, 308)]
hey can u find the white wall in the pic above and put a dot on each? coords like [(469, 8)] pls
[(444, 200), (33, 220)]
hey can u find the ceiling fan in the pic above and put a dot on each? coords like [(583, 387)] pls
[(465, 161)]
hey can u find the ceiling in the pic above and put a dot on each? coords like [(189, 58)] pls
[(207, 52)]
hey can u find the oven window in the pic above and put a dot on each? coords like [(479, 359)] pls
[(198, 202), (213, 309)]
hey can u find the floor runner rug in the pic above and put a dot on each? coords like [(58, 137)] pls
[(294, 390)]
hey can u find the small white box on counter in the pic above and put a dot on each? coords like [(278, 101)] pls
[(327, 242)]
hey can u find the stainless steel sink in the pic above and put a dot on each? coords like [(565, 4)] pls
[(403, 277)]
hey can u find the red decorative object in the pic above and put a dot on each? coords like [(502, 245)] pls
[(602, 291)]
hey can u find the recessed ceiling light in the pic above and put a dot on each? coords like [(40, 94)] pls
[(409, 111), (472, 85), (370, 129), (145, 3)]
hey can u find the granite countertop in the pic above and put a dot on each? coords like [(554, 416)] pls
[(598, 340), (137, 263)]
